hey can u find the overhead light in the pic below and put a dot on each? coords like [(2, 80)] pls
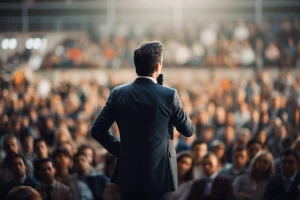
[(12, 43), (5, 43), (29, 43)]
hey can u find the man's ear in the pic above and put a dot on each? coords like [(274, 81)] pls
[(156, 67)]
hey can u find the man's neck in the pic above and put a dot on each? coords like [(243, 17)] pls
[(20, 178), (63, 172), (83, 174), (153, 78), (48, 182)]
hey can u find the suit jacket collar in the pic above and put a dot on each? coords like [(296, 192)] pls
[(295, 183), (144, 80)]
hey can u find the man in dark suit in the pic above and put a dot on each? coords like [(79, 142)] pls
[(284, 186), (239, 161), (213, 186), (85, 183), (145, 113), (20, 178), (50, 189)]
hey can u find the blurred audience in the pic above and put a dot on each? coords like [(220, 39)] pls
[(50, 188), (212, 185), (242, 121), (251, 186), (285, 184)]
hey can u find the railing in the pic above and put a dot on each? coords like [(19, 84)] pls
[(110, 13)]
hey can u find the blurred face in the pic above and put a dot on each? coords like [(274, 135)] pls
[(256, 99), (41, 149), (240, 159), (81, 164), (208, 135), (265, 118), (19, 167), (184, 164), (90, 154), (229, 134), (63, 138), (262, 136), (28, 144), (289, 165), (198, 152), (219, 151), (230, 118), (62, 161), (210, 165), (276, 102), (12, 146), (47, 172), (255, 116), (220, 114), (262, 164), (254, 149)]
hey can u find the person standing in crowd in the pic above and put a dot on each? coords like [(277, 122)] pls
[(86, 184), (212, 185), (253, 147), (20, 177), (145, 113), (62, 160), (239, 161), (27, 139), (41, 151), (251, 186), (199, 149), (90, 152), (219, 148), (185, 175), (12, 147), (50, 189), (285, 185)]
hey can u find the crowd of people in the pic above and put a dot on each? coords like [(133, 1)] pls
[(230, 44), (246, 139)]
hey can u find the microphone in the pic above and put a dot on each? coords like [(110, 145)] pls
[(160, 79)]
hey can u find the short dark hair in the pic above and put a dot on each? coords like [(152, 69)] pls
[(290, 152), (79, 154), (254, 141), (19, 156), (44, 160), (189, 175), (209, 154), (38, 140), (8, 137), (198, 142), (61, 151), (147, 56), (239, 148), (84, 147)]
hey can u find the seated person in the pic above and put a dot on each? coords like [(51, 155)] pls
[(20, 177), (212, 185)]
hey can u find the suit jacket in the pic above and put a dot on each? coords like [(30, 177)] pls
[(228, 171), (59, 192), (221, 189), (96, 183), (275, 189), (145, 113), (6, 187)]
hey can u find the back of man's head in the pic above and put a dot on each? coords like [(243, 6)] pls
[(147, 56)]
